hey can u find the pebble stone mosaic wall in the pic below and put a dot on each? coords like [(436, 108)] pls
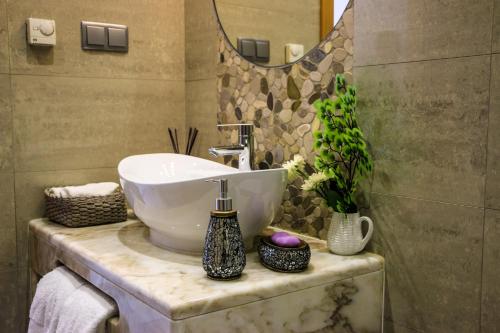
[(278, 101)]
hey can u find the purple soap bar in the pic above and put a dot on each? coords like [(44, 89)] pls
[(284, 239)]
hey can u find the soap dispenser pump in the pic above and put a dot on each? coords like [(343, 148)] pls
[(224, 253)]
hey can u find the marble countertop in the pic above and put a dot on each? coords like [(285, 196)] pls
[(175, 284)]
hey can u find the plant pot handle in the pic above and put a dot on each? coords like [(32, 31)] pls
[(369, 233)]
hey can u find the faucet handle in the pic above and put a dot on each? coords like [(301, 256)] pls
[(243, 129), (236, 125)]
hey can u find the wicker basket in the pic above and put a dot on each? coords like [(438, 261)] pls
[(86, 211)]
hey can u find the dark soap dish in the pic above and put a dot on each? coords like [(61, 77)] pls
[(283, 259)]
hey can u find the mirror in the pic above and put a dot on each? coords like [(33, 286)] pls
[(277, 32)]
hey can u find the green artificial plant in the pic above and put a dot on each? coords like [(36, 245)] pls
[(342, 151), (342, 158)]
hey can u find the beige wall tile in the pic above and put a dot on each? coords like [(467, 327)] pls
[(8, 255), (201, 40), (493, 172), (201, 112), (8, 260), (390, 327), (7, 201), (433, 255), (156, 39), (491, 274), (4, 38), (390, 31), (5, 124), (76, 123), (496, 26), (426, 124), (23, 300), (30, 202), (9, 320)]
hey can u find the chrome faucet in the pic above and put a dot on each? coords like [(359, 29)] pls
[(244, 149)]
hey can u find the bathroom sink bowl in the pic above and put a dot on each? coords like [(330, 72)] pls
[(168, 192)]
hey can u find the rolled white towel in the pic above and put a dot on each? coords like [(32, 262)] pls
[(65, 303), (51, 293), (89, 190), (34, 327), (85, 311)]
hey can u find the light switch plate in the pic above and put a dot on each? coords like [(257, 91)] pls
[(41, 32), (104, 36)]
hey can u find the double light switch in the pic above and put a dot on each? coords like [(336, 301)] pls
[(254, 49), (104, 36)]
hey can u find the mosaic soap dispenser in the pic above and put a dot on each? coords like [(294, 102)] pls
[(224, 253)]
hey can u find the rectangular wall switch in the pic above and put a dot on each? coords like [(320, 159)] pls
[(96, 35), (117, 37), (247, 48), (263, 51), (104, 37)]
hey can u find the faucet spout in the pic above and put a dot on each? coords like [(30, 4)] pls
[(244, 149), (226, 150)]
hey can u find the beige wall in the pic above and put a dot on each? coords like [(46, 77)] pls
[(201, 61), (428, 80), (299, 21), (68, 116)]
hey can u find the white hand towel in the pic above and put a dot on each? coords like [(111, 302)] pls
[(65, 303), (34, 327), (51, 293), (89, 190), (85, 311)]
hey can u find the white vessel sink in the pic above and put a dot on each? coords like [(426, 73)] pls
[(169, 194)]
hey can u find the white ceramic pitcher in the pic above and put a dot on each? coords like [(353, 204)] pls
[(345, 236)]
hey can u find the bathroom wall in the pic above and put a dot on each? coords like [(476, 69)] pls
[(428, 77), (257, 19), (68, 116), (201, 60)]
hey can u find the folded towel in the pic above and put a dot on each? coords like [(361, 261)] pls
[(85, 311), (51, 293), (65, 303), (34, 327), (89, 190)]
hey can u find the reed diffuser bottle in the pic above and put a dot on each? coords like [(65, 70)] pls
[(224, 253)]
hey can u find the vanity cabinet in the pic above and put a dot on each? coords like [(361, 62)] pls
[(161, 291)]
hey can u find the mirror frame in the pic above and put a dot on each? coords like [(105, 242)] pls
[(326, 20), (326, 28)]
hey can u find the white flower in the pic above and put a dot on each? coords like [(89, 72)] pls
[(293, 167), (314, 181)]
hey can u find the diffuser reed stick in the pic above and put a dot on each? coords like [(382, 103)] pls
[(172, 140), (192, 134)]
